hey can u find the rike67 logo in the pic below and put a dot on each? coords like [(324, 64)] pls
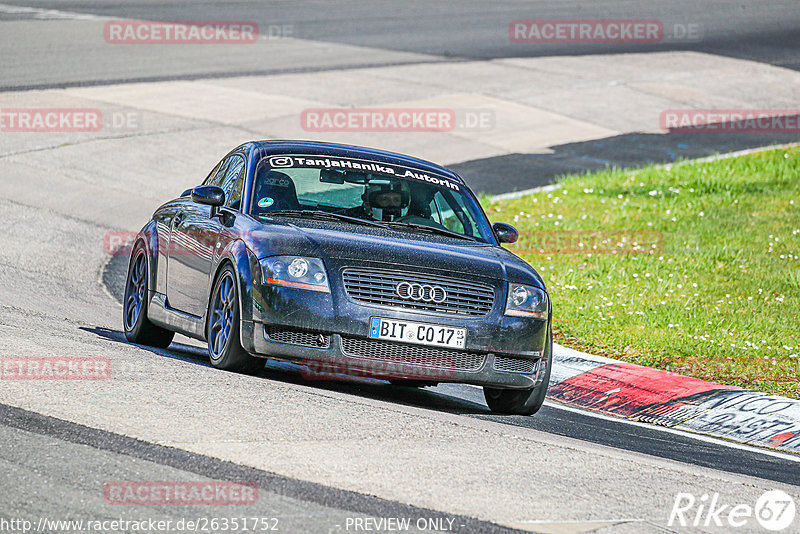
[(774, 511)]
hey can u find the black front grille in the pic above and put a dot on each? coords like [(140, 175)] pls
[(514, 365), (293, 336), (412, 354), (380, 287)]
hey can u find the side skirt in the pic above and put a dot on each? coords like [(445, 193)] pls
[(184, 323)]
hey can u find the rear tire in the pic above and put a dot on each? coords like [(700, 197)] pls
[(223, 327), (521, 401), (138, 328)]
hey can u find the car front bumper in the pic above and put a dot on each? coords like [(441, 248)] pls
[(328, 334), (325, 355)]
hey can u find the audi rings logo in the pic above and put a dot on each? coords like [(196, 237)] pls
[(421, 292)]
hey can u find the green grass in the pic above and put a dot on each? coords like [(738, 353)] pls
[(700, 273)]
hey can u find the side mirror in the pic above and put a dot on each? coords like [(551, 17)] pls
[(505, 233), (211, 195)]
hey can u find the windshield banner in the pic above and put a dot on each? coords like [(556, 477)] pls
[(346, 164)]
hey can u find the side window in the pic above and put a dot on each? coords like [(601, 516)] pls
[(233, 183), (229, 176), (216, 176)]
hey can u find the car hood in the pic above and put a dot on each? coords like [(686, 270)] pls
[(343, 244)]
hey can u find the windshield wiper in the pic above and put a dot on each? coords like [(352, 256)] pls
[(433, 229), (328, 214)]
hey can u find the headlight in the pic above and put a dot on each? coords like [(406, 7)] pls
[(526, 301), (297, 272)]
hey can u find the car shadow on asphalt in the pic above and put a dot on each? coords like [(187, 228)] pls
[(293, 374), (178, 351), (375, 389)]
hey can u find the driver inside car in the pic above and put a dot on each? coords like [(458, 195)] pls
[(384, 201), (396, 202)]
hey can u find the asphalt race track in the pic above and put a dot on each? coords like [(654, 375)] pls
[(338, 456)]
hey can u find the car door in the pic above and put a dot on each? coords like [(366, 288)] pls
[(193, 240)]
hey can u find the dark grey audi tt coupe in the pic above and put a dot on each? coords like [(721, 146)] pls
[(346, 260)]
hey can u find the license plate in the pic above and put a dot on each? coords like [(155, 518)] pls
[(418, 333)]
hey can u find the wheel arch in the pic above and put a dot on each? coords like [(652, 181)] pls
[(148, 236), (243, 262)]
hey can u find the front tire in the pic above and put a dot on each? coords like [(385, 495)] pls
[(521, 401), (138, 328), (222, 330)]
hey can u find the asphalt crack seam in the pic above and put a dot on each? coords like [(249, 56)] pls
[(217, 469)]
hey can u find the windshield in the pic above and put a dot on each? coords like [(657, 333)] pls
[(403, 198)]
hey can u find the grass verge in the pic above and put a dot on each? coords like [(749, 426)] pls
[(693, 268)]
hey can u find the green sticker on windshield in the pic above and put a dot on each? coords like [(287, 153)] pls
[(265, 202)]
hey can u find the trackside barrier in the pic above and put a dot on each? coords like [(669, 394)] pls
[(676, 401)]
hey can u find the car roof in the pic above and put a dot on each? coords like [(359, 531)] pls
[(266, 148)]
